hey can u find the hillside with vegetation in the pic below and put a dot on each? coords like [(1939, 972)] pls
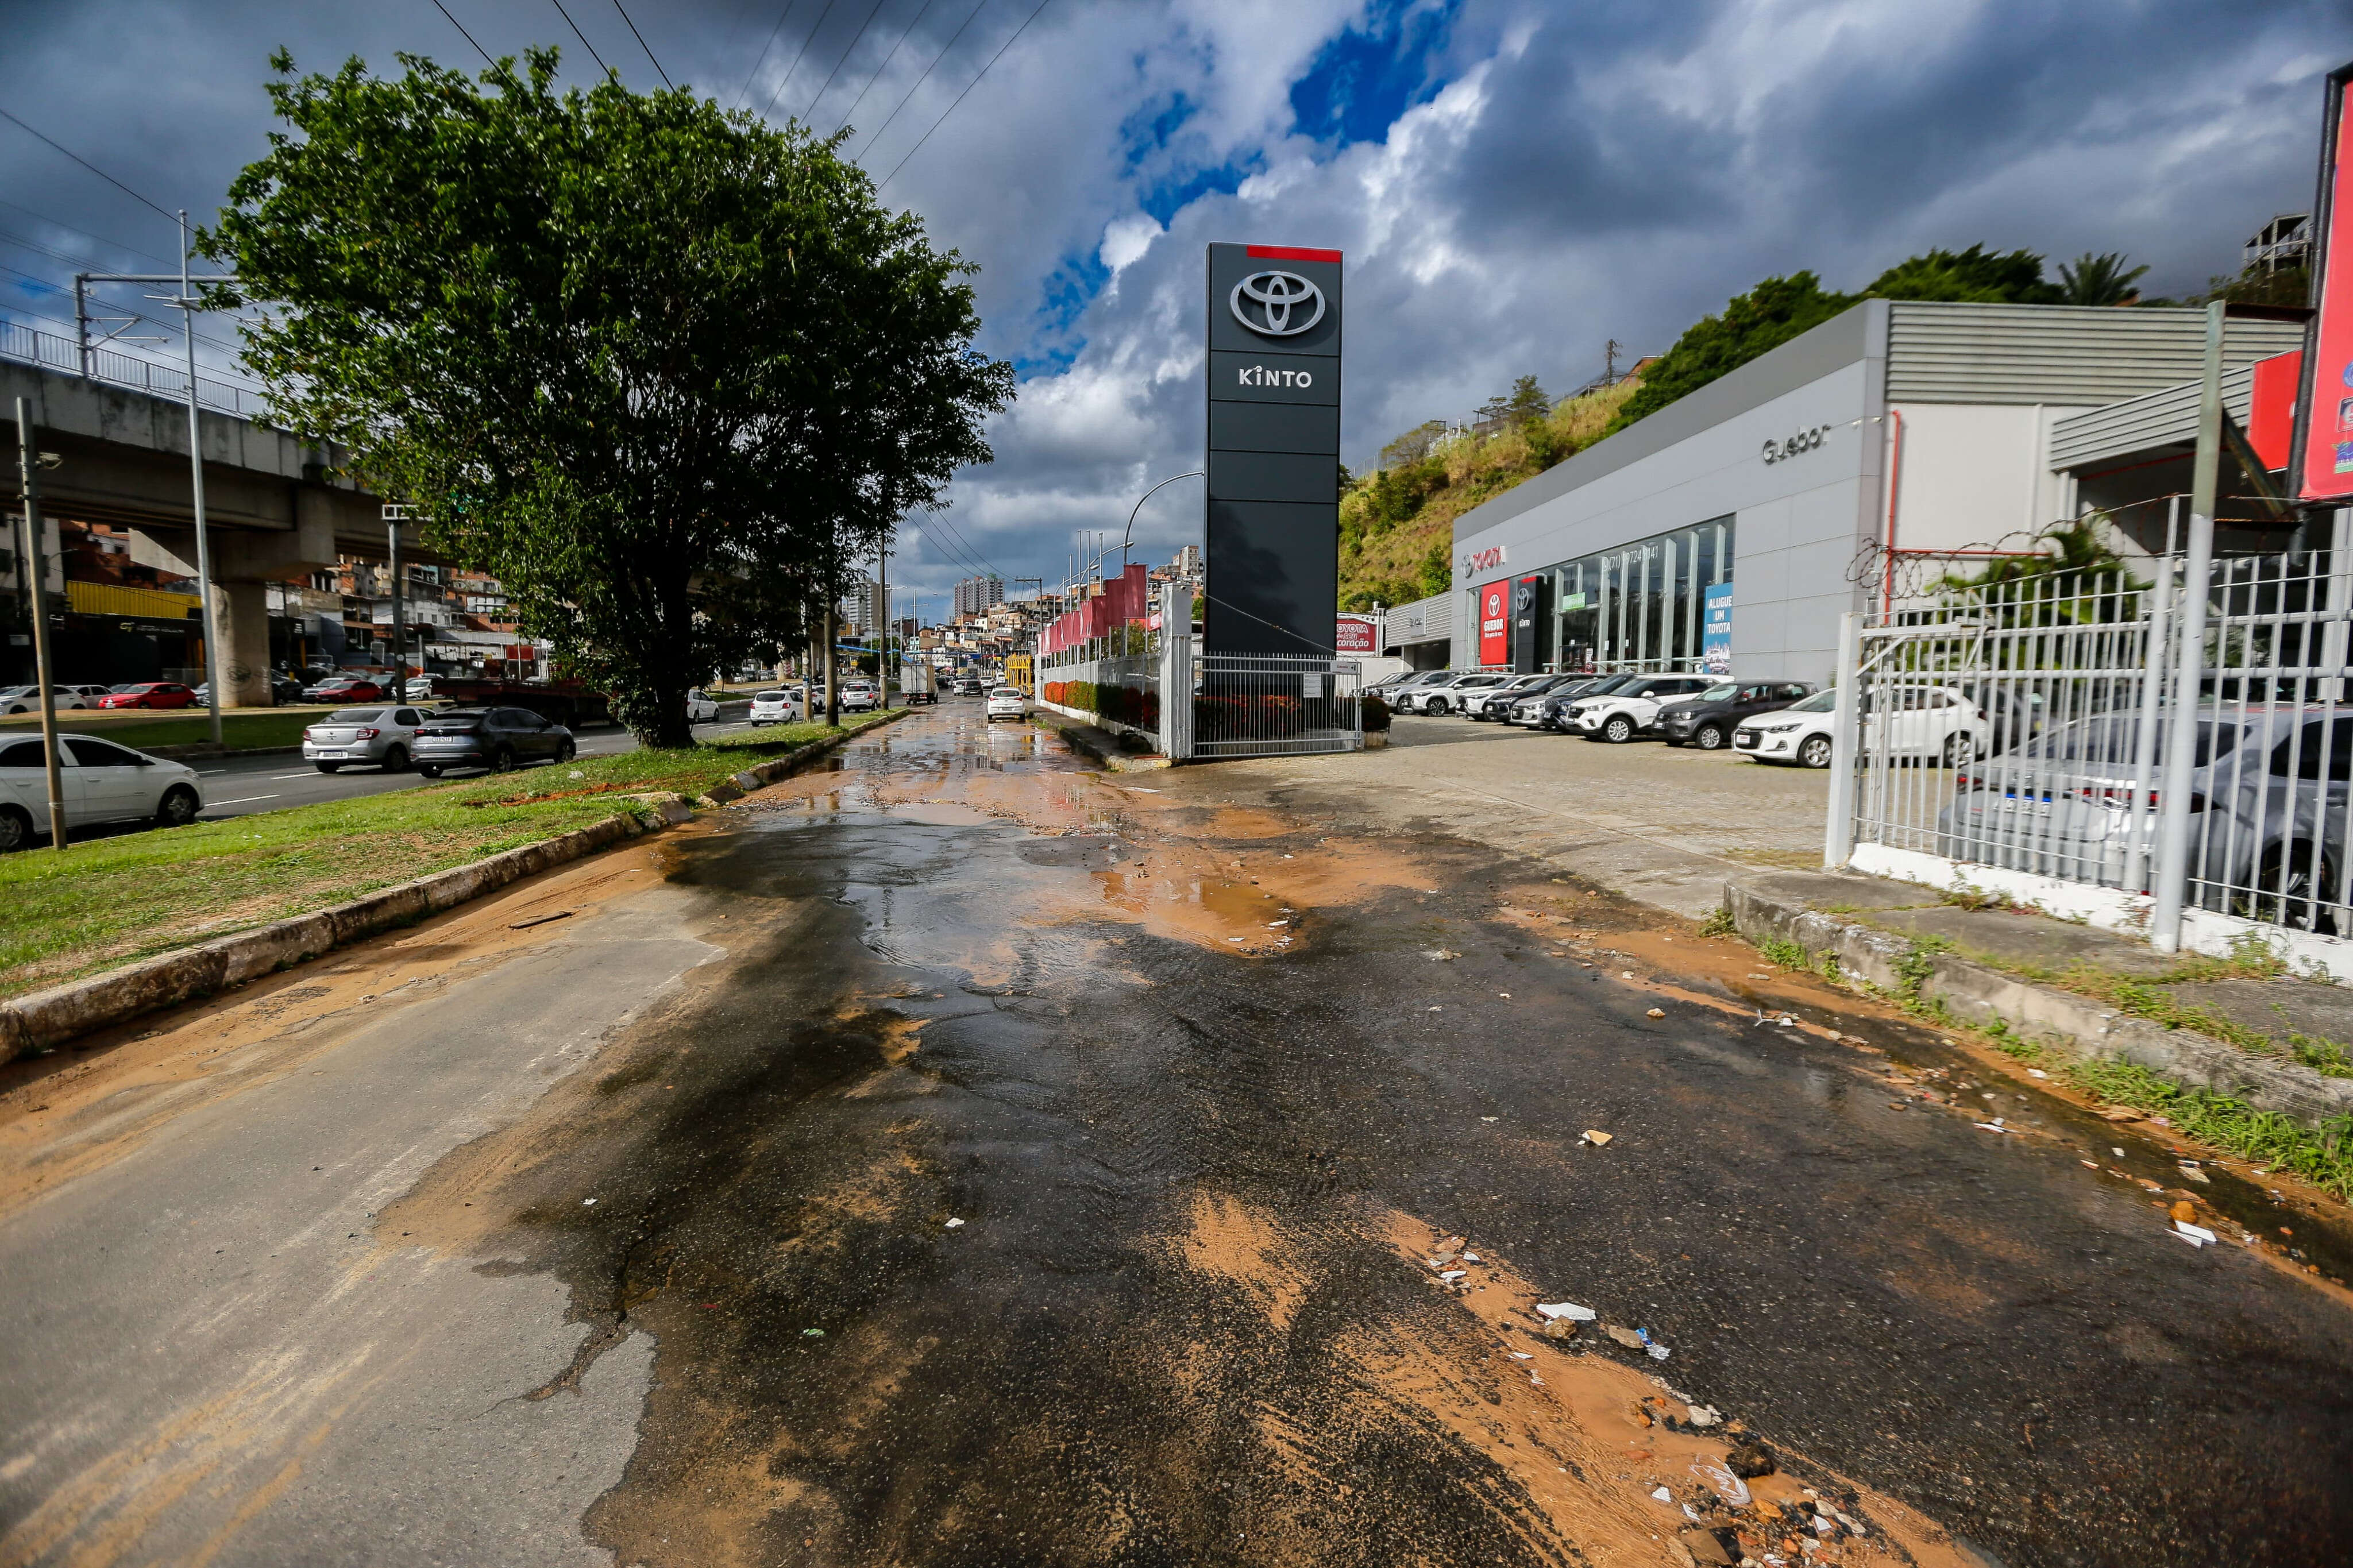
[(1396, 523)]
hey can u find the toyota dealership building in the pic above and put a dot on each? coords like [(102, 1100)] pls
[(1733, 528)]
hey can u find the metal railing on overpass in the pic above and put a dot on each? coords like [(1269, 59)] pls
[(54, 350)]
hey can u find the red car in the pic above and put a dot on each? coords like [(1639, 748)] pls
[(346, 690), (150, 694)]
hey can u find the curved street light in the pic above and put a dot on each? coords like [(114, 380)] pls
[(1129, 536)]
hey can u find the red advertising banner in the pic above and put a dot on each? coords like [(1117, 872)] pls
[(2271, 410), (1495, 624), (1357, 633), (2325, 464)]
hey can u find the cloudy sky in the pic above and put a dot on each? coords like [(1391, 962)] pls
[(1515, 181)]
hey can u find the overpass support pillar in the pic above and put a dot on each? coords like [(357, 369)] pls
[(242, 661)]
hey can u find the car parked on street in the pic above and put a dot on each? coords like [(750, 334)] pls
[(1631, 710), (776, 705), (150, 694), (1923, 722), (493, 738), (1007, 702), (345, 689), (1708, 719), (2267, 802), (27, 699), (102, 782), (1497, 702), (363, 737)]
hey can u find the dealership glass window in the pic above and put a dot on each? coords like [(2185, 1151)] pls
[(1639, 605)]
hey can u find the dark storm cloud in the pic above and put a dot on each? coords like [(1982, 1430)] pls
[(1515, 181)]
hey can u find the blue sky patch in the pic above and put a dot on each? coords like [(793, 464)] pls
[(1363, 80)]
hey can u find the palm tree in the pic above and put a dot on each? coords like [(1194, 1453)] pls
[(2091, 279)]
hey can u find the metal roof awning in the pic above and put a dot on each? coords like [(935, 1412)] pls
[(2153, 421)]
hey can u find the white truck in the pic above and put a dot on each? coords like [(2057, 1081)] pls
[(917, 683)]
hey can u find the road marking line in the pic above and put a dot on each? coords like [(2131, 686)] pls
[(241, 800), (282, 778)]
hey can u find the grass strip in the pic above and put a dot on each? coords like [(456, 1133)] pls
[(2322, 1157), (107, 901)]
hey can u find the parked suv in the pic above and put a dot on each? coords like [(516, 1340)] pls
[(1708, 719), (1552, 708), (354, 737), (1497, 702), (493, 738), (1632, 708), (1923, 723)]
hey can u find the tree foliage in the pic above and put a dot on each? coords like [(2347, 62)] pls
[(2091, 279), (664, 371), (1978, 274)]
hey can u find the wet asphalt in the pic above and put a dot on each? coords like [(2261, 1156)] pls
[(1974, 1324), (914, 1015)]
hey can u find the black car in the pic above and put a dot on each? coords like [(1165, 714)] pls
[(1554, 714), (1498, 703), (1708, 719), (493, 738)]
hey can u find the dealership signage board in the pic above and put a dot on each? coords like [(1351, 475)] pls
[(2324, 455), (1273, 525), (1495, 624), (1358, 634), (1715, 631)]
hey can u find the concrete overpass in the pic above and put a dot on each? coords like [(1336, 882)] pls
[(271, 514)]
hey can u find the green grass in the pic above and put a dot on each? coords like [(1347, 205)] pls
[(111, 900), (2324, 1157), (243, 729)]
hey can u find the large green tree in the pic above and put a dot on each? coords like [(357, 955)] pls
[(665, 371)]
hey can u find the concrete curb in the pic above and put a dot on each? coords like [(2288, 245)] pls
[(48, 1018), (762, 774), (2073, 1026), (1097, 745)]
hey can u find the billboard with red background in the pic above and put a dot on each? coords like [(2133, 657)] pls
[(1357, 633), (1495, 623), (2324, 461)]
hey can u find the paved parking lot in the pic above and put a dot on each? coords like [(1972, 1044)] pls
[(1664, 825)]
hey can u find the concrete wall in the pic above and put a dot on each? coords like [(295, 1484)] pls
[(1973, 475)]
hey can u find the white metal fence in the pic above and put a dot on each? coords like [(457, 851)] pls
[(1269, 704), (2129, 746), (18, 342)]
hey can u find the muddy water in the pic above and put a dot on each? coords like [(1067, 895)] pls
[(1050, 1173)]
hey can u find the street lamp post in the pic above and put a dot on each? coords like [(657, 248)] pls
[(1129, 536)]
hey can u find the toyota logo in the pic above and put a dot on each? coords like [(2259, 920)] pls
[(1277, 304)]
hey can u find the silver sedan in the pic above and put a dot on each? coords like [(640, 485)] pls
[(361, 737)]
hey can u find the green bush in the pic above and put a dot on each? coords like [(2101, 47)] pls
[(1374, 712)]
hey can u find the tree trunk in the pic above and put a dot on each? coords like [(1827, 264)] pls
[(832, 686)]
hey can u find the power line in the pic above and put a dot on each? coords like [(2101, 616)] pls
[(86, 163), (904, 33), (642, 44), (781, 17), (795, 66), (920, 80), (94, 239), (962, 96), (583, 38), (465, 35), (971, 554), (872, 11)]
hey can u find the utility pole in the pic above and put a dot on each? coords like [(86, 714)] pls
[(399, 692), (2180, 765), (207, 599), (883, 592), (1610, 362), (36, 571)]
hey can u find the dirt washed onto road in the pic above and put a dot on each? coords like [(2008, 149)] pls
[(970, 1230)]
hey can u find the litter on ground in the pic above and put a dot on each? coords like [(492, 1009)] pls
[(1565, 1310), (1596, 1139)]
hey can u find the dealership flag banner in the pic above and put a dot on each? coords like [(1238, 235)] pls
[(2324, 455)]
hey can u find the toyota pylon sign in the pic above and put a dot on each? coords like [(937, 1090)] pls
[(2323, 448)]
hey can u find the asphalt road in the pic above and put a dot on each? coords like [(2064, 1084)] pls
[(957, 1157), (235, 786)]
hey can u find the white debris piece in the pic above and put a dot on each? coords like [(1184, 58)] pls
[(1567, 1310), (1662, 1495), (2196, 1235)]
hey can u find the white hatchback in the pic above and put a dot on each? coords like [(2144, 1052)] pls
[(857, 697), (776, 707), (1007, 702), (102, 782)]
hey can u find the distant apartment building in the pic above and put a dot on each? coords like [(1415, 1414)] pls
[(979, 596)]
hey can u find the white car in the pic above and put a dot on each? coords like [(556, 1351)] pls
[(701, 708), (1007, 702), (859, 696), (1632, 709), (1923, 722), (27, 699), (774, 707), (103, 782)]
